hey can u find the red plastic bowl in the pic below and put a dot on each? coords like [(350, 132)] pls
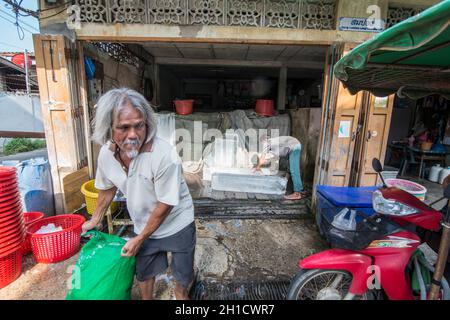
[(56, 246), (10, 267)]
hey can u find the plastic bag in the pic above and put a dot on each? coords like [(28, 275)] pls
[(341, 221), (101, 272)]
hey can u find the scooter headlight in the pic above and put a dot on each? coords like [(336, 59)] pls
[(390, 207)]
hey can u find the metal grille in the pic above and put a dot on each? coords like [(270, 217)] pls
[(398, 14), (274, 290), (119, 52)]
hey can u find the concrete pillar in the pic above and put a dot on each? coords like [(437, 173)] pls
[(156, 88), (361, 9), (282, 83)]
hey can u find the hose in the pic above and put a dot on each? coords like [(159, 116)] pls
[(444, 282)]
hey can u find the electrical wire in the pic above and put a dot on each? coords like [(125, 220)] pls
[(20, 29), (11, 16), (6, 19), (54, 15), (12, 46), (16, 7)]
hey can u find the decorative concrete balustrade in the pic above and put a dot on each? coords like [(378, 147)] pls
[(300, 14)]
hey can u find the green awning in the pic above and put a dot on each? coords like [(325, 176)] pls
[(413, 55)]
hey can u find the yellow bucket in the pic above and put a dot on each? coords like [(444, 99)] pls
[(91, 195)]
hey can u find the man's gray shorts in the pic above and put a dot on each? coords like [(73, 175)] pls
[(151, 259)]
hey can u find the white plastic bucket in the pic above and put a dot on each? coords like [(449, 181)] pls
[(413, 188)]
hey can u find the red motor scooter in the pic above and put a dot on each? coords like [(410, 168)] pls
[(376, 259)]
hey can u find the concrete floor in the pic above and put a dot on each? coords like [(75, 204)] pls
[(246, 250)]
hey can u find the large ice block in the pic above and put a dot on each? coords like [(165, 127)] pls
[(166, 127), (250, 182)]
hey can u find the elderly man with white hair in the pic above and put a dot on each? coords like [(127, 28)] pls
[(148, 171)]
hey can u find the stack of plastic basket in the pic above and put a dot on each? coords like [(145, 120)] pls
[(12, 227)]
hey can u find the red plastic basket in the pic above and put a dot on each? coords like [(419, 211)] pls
[(11, 209), (9, 188), (30, 217), (10, 267), (14, 214), (7, 172), (15, 238), (56, 246)]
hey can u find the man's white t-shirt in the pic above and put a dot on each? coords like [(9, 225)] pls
[(154, 176)]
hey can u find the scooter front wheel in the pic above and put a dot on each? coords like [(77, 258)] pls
[(318, 284)]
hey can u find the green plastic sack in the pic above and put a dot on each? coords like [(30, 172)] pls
[(426, 274), (101, 273)]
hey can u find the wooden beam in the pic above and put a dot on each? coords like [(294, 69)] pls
[(218, 62), (214, 34), (240, 63), (85, 105)]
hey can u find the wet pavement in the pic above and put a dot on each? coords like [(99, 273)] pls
[(227, 250)]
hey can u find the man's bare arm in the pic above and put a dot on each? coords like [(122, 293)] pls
[(105, 198), (156, 218)]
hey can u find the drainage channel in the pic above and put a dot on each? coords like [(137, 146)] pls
[(211, 290)]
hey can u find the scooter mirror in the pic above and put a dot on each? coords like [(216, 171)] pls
[(376, 165), (447, 192)]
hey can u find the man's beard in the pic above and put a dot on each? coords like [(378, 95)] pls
[(134, 144)]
